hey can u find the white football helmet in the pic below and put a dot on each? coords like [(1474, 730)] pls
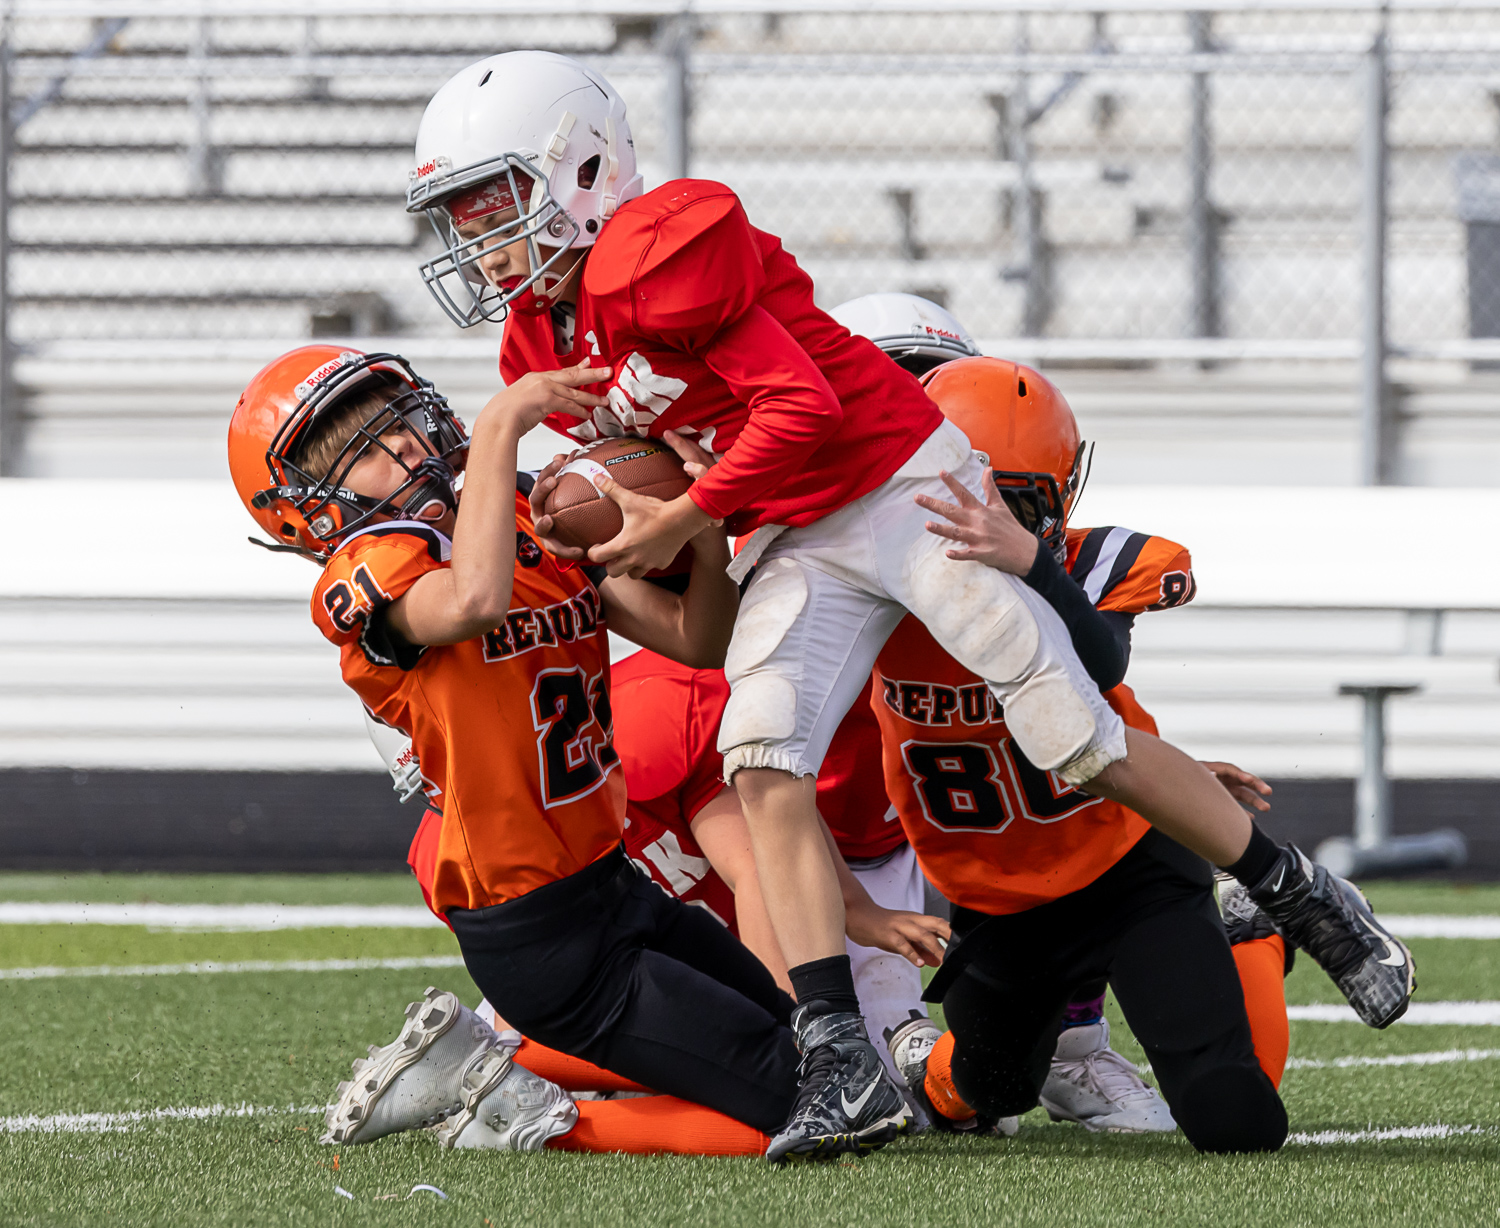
[(531, 130), (914, 331)]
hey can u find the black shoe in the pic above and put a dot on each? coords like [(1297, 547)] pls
[(845, 1100), (910, 1044), (1331, 920), (1246, 921)]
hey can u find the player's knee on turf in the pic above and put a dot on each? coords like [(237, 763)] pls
[(1234, 1108)]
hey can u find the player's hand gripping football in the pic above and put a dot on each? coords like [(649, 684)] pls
[(655, 530), (695, 460), (1245, 787), (914, 936), (986, 532)]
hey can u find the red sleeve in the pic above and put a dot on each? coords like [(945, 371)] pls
[(695, 285), (682, 270), (792, 410)]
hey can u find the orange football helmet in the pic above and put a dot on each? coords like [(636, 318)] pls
[(309, 515), (1023, 424)]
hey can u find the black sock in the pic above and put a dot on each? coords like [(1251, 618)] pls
[(828, 980), (1257, 859)]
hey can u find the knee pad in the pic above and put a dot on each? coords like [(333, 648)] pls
[(770, 609), (1053, 725), (761, 708), (1227, 1109), (973, 611)]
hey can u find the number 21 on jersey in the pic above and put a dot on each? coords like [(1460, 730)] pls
[(574, 725)]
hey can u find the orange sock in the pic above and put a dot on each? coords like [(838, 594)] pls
[(1262, 963), (653, 1125), (572, 1074), (939, 1082)]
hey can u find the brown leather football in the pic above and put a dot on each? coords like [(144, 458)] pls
[(582, 515)]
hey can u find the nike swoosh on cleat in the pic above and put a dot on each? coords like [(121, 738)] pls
[(852, 1110), (1393, 957)]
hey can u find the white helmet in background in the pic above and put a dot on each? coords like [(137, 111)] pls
[(528, 130), (914, 331)]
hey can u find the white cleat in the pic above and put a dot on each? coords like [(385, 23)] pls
[(1093, 1085), (507, 1108), (418, 1079)]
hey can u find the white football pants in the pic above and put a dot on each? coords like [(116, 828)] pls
[(827, 595)]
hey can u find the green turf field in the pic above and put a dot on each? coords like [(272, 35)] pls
[(257, 1052)]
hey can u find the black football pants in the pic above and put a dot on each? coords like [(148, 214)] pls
[(1149, 925), (606, 966)]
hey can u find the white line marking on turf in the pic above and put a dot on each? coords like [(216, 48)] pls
[(1474, 1014), (1442, 1057), (1414, 926), (1324, 1137), (74, 1123), (52, 972), (222, 916), (404, 916)]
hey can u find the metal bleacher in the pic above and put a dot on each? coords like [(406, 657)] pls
[(203, 191)]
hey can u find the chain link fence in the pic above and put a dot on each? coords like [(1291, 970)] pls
[(1117, 185)]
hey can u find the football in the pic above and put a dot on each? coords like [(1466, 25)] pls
[(582, 515)]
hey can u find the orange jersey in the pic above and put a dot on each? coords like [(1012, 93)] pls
[(512, 728), (993, 832)]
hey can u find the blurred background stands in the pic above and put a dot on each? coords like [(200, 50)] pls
[(1257, 245)]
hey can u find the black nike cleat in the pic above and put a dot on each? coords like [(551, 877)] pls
[(1246, 921), (1330, 919), (846, 1101)]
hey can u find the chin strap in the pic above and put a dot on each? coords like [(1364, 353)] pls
[(278, 548), (610, 200)]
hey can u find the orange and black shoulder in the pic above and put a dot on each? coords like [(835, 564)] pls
[(366, 574), (1120, 569)]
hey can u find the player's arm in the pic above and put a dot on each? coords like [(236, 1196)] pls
[(914, 936), (792, 410), (692, 628), (989, 533), (472, 595)]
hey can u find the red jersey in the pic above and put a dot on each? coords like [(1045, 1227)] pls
[(851, 790), (666, 730), (993, 832), (710, 329), (512, 728)]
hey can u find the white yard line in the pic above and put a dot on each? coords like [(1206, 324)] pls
[(99, 1123), (1324, 1137), (1438, 926), (1441, 1058), (222, 916), (75, 1123), (1473, 1014), (53, 972), (406, 916)]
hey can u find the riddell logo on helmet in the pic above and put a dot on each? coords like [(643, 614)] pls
[(942, 332), (440, 163), (305, 388)]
